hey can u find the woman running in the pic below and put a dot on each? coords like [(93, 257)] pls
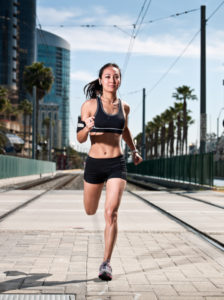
[(105, 118)]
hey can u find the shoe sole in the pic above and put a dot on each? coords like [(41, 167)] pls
[(104, 276)]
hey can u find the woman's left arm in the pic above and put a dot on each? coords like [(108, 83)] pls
[(137, 159)]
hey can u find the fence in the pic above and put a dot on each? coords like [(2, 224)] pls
[(11, 166), (219, 169), (196, 168)]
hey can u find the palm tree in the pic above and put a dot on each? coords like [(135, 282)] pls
[(149, 138), (184, 93), (157, 127), (178, 111), (26, 108), (163, 134), (4, 97), (171, 129), (42, 78)]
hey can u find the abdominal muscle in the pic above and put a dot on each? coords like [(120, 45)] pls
[(105, 145)]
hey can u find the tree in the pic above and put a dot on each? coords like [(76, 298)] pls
[(42, 78), (4, 98), (157, 127), (25, 107), (178, 112), (184, 93)]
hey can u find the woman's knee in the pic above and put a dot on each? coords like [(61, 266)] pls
[(111, 215), (90, 210)]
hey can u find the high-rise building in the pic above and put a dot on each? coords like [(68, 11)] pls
[(17, 43), (9, 43), (27, 40), (54, 52), (17, 50)]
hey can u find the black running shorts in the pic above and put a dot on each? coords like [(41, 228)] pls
[(99, 170)]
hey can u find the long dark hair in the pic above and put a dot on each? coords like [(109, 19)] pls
[(93, 88)]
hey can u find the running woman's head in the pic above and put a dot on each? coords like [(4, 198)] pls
[(109, 79)]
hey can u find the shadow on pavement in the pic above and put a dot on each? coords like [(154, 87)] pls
[(33, 280)]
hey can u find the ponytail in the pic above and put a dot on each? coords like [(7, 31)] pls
[(94, 88)]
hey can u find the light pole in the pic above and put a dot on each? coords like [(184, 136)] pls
[(218, 123)]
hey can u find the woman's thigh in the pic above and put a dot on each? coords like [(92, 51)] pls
[(114, 191), (92, 194)]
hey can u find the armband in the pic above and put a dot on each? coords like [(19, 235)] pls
[(81, 124)]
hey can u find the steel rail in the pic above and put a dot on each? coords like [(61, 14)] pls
[(189, 227), (156, 187), (32, 183), (61, 184)]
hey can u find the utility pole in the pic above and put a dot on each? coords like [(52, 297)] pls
[(34, 124), (203, 118), (143, 126)]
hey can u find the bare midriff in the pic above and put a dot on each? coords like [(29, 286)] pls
[(105, 145)]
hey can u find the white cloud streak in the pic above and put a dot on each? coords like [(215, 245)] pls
[(104, 39), (82, 76)]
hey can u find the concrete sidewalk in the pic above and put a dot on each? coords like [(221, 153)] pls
[(51, 246)]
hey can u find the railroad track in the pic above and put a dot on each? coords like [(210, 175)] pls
[(156, 187), (31, 184), (62, 181), (205, 236)]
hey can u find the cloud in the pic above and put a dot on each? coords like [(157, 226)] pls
[(104, 40), (99, 10), (51, 16), (82, 76)]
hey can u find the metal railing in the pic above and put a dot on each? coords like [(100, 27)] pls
[(219, 169), (11, 166), (198, 168)]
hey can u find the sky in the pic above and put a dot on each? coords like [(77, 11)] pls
[(163, 55)]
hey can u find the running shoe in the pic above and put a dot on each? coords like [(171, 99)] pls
[(105, 272)]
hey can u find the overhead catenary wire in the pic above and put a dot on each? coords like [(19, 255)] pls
[(184, 50), (215, 11), (170, 68), (131, 42), (135, 31), (118, 26), (174, 62), (182, 53)]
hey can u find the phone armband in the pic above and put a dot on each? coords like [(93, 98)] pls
[(81, 124)]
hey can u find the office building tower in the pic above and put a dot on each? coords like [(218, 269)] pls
[(54, 52)]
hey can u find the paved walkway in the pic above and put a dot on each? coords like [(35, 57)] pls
[(51, 246)]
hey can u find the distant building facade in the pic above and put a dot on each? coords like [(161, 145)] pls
[(17, 43), (9, 43), (27, 41), (17, 49), (54, 52), (50, 111)]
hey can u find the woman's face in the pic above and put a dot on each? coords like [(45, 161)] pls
[(111, 79)]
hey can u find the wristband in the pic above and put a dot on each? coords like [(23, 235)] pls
[(134, 151)]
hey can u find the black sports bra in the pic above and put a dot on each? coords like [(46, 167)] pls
[(105, 122)]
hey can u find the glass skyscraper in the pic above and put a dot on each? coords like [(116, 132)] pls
[(9, 43), (17, 42), (27, 40), (54, 52)]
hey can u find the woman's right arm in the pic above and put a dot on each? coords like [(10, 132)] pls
[(82, 135)]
